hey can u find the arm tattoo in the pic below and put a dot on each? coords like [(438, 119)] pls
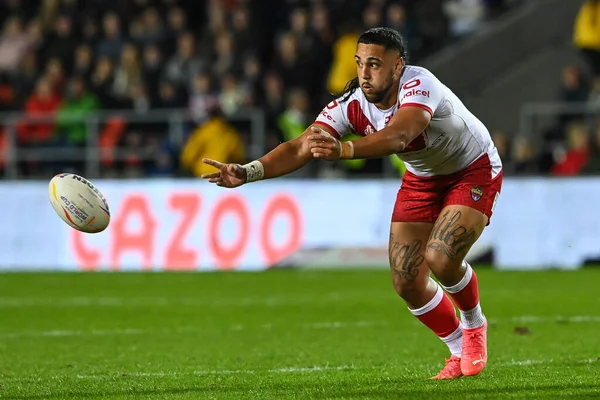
[(450, 237), (405, 259)]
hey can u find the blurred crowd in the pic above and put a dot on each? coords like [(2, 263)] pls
[(570, 144), (64, 60)]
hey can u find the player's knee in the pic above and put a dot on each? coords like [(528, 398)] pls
[(409, 287), (436, 260), (443, 266)]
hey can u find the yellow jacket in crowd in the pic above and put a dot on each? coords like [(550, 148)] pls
[(215, 139), (344, 66), (586, 34)]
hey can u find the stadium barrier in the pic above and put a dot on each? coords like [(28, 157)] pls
[(190, 225)]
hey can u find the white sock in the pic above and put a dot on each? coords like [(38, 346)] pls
[(472, 318), (454, 341)]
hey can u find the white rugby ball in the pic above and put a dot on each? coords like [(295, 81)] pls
[(79, 203)]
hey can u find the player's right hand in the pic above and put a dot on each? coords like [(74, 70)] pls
[(228, 175)]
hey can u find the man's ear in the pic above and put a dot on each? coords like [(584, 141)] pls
[(399, 66)]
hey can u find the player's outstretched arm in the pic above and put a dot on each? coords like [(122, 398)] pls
[(282, 160), (404, 127)]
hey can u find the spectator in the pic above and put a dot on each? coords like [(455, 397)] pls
[(169, 97), (102, 82), (250, 80), (24, 79), (288, 63), (465, 16), (372, 17), (79, 102), (185, 64), (14, 44), (56, 74), (274, 103), (151, 70), (62, 42), (202, 98), (39, 109), (396, 18), (215, 139), (344, 66), (574, 89), (35, 33), (90, 32), (293, 121), (140, 100), (112, 42), (586, 34), (245, 36), (232, 95), (524, 159), (176, 26), (322, 54), (575, 158), (47, 13), (128, 73), (152, 31), (299, 28), (225, 60), (84, 62)]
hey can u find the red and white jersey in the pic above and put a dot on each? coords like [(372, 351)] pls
[(453, 140)]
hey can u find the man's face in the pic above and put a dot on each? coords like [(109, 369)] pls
[(378, 70)]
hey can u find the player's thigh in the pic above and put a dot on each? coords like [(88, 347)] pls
[(468, 207), (408, 242), (456, 230)]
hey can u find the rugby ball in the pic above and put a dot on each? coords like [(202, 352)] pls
[(79, 203)]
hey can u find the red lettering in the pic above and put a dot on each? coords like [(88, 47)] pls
[(228, 257), (142, 240), (177, 257), (332, 105), (417, 92), (87, 259), (327, 115), (411, 84), (285, 205)]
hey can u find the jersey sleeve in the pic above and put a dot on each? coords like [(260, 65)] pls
[(421, 91), (335, 117)]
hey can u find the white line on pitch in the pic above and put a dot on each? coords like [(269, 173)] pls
[(8, 302), (285, 370), (314, 325), (135, 331)]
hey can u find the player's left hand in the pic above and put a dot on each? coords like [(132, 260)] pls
[(324, 146)]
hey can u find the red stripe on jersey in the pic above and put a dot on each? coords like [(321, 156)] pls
[(358, 119), (333, 131), (423, 106)]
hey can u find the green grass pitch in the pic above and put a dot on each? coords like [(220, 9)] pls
[(285, 334)]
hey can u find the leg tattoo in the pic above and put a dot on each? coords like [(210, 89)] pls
[(450, 237), (405, 259)]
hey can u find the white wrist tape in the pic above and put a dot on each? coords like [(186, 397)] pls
[(346, 150), (254, 171)]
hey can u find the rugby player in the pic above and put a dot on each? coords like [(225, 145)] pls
[(452, 183)]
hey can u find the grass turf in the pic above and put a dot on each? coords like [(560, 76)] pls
[(285, 334)]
